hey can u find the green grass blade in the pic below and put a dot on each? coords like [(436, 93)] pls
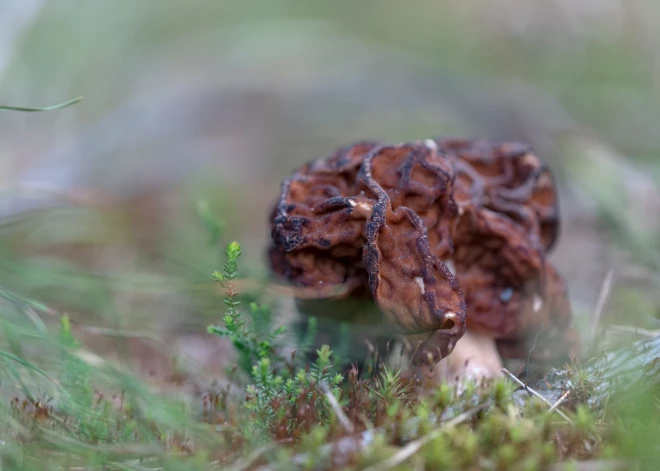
[(59, 106), (27, 364)]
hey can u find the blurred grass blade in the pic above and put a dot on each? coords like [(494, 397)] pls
[(27, 364), (59, 106), (19, 301), (213, 225)]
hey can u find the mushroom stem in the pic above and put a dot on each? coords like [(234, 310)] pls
[(474, 358)]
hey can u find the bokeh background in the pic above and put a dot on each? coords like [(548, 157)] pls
[(214, 102)]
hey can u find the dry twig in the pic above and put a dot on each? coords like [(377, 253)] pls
[(348, 426), (627, 329), (558, 403), (531, 391), (248, 461), (413, 447), (603, 295)]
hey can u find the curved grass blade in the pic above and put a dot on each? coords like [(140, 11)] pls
[(59, 106), (27, 364)]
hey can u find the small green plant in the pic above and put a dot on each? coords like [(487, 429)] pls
[(279, 402), (76, 382), (254, 341), (280, 406)]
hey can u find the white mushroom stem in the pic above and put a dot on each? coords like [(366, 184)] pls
[(474, 358)]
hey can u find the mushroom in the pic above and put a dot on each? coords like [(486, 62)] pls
[(517, 302), (444, 236), (372, 219)]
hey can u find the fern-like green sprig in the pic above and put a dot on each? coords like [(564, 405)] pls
[(255, 341)]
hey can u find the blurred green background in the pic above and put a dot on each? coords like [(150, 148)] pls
[(219, 100)]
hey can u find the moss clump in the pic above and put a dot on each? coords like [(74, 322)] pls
[(283, 413)]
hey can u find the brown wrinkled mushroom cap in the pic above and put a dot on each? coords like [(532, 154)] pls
[(373, 219), (377, 220), (507, 178), (508, 221), (551, 335)]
